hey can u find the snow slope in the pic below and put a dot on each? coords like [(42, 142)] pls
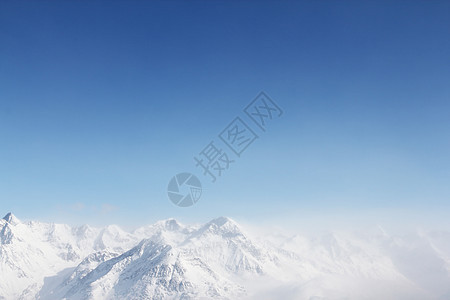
[(217, 260)]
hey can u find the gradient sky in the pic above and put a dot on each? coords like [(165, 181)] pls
[(101, 103)]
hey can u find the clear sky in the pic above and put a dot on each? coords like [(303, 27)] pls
[(101, 103)]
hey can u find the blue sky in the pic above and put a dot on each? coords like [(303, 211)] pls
[(101, 103)]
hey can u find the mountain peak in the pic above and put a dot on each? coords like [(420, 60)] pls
[(222, 224), (220, 221), (169, 224), (11, 219)]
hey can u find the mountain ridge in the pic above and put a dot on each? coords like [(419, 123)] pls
[(216, 260)]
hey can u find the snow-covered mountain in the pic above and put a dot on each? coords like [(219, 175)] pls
[(217, 260)]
